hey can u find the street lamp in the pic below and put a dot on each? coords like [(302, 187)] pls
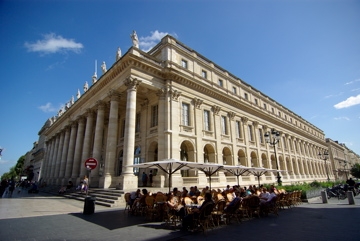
[(273, 138), (324, 156)]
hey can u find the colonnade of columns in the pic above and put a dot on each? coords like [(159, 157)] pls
[(85, 137)]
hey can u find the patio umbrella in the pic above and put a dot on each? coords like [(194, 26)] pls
[(169, 166), (237, 170), (258, 172), (208, 168)]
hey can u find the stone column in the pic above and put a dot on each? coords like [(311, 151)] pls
[(47, 160), (87, 141), (108, 179), (58, 158), (75, 173), (98, 140), (128, 179), (54, 159), (70, 156), (65, 149)]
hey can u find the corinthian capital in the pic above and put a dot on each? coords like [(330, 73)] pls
[(132, 83)]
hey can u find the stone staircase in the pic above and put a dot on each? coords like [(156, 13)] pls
[(104, 197)]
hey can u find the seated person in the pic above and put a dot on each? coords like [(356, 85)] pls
[(188, 220), (264, 195), (176, 192), (268, 198), (192, 192), (140, 201), (177, 206), (133, 196), (233, 204), (69, 185)]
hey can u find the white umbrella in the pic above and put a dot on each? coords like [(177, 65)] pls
[(258, 172), (169, 166), (208, 168), (237, 170)]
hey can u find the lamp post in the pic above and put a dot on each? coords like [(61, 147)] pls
[(324, 156), (273, 138)]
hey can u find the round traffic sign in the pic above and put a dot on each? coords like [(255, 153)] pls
[(91, 163)]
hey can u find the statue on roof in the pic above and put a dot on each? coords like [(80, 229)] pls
[(118, 54), (103, 67), (135, 39), (78, 94), (94, 78), (86, 86)]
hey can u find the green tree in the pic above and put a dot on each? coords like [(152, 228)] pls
[(355, 170)]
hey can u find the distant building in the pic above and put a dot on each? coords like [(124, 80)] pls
[(172, 102)]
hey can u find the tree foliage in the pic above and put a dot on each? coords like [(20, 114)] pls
[(355, 170), (15, 171)]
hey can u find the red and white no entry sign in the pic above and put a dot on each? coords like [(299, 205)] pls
[(91, 163)]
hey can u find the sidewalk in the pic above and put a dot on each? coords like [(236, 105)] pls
[(42, 217)]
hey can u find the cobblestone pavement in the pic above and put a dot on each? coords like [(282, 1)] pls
[(43, 217)]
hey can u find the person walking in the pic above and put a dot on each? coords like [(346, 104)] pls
[(144, 179), (151, 178)]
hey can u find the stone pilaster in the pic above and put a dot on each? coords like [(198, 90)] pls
[(87, 141), (108, 178), (70, 156), (65, 149), (98, 139), (78, 149)]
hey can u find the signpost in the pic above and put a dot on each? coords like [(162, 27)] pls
[(91, 163)]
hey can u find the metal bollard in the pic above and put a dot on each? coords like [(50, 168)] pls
[(350, 196), (324, 197)]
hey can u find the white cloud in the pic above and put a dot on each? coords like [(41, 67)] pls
[(52, 43), (342, 118), (48, 108), (352, 82), (148, 42), (353, 100)]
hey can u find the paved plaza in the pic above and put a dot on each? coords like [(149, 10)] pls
[(43, 217)]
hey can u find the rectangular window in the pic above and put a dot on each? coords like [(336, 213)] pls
[(154, 115), (251, 137), (234, 90), (261, 137), (137, 126), (265, 107), (207, 120), (221, 83), (284, 141), (223, 125), (245, 96), (184, 64), (185, 114), (279, 113), (238, 129), (256, 102), (272, 110), (204, 74)]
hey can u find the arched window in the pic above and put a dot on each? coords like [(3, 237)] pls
[(137, 159)]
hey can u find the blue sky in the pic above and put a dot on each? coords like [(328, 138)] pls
[(303, 54)]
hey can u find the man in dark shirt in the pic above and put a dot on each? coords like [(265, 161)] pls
[(188, 220)]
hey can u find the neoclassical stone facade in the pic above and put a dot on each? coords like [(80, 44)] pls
[(174, 103)]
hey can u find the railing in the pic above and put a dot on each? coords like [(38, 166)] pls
[(189, 180)]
